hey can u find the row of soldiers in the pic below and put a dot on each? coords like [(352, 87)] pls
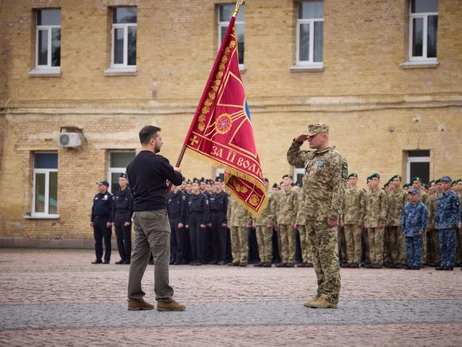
[(208, 226)]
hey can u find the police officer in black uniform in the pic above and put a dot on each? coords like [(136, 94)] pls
[(176, 207), (197, 218), (101, 221), (122, 212), (218, 208)]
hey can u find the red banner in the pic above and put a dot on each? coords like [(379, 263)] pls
[(221, 131)]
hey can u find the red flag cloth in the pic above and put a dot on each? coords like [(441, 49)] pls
[(221, 131)]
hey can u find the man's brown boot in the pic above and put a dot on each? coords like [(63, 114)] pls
[(138, 305), (170, 306), (321, 303)]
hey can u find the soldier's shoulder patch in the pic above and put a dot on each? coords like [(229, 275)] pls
[(344, 170)]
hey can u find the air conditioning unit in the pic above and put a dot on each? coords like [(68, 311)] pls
[(69, 140)]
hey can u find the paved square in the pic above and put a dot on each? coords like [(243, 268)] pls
[(57, 298)]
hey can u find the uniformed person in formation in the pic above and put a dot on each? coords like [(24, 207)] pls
[(446, 219), (286, 214), (425, 198), (414, 218), (433, 242), (239, 221), (326, 172), (397, 198), (374, 220), (122, 212), (101, 222), (198, 217), (177, 208), (264, 229), (353, 215), (218, 222)]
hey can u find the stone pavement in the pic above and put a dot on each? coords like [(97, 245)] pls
[(57, 298)]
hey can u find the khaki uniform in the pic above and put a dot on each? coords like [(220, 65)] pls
[(353, 214), (238, 219), (396, 244), (265, 234), (305, 244), (286, 213), (324, 182), (375, 215), (433, 237)]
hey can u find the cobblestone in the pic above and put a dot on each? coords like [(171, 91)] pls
[(57, 298)]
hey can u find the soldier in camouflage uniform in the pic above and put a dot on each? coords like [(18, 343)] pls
[(264, 229), (353, 215), (326, 172), (239, 221), (446, 217), (414, 219), (374, 220), (397, 199), (286, 213), (425, 198), (305, 245)]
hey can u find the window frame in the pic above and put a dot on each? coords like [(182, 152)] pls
[(310, 63), (124, 67), (424, 16), (116, 170), (412, 159), (224, 24), (48, 68), (35, 171)]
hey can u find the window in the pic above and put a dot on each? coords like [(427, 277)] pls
[(225, 12), (423, 30), (123, 52), (118, 162), (310, 32), (298, 175), (48, 40), (220, 173), (418, 164), (45, 185)]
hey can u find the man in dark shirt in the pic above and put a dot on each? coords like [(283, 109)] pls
[(101, 222), (176, 206), (147, 174), (218, 208), (122, 211)]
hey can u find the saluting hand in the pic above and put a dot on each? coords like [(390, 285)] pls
[(301, 138)]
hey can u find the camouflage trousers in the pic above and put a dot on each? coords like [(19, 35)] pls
[(265, 243), (448, 246), (353, 243), (433, 246), (287, 239), (459, 246), (324, 246), (414, 251), (394, 248), (239, 244), (342, 245), (376, 245), (305, 245), (424, 247), (367, 255)]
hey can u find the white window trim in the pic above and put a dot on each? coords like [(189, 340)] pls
[(45, 214), (124, 67), (414, 160), (424, 16), (114, 169), (224, 24), (307, 63)]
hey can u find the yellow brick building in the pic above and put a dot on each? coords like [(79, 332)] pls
[(385, 75)]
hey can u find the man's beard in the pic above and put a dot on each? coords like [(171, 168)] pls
[(156, 149)]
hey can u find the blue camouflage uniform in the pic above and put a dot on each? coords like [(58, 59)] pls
[(414, 219), (447, 211)]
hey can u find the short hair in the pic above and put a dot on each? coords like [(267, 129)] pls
[(147, 133)]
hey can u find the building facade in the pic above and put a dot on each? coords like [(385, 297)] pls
[(385, 75)]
